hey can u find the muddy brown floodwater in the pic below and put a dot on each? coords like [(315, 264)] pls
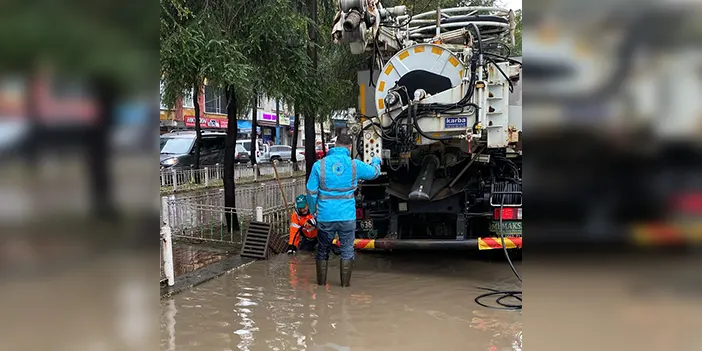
[(395, 302)]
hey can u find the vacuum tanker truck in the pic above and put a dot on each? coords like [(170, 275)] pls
[(437, 106)]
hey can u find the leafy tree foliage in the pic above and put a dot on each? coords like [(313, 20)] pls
[(267, 46), (241, 47), (517, 49), (194, 47)]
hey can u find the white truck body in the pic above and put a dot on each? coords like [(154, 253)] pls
[(436, 63)]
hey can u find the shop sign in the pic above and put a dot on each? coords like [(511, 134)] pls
[(284, 120), (207, 122), (268, 117)]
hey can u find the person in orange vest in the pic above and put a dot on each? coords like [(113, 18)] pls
[(303, 227)]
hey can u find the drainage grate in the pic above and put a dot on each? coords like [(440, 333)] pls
[(256, 240)]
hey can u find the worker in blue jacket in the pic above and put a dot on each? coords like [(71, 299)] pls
[(330, 189)]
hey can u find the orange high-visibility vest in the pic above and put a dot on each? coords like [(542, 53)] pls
[(299, 226)]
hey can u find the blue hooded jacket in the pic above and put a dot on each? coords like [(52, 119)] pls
[(332, 183)]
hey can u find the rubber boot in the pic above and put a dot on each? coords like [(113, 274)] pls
[(322, 272), (345, 270)]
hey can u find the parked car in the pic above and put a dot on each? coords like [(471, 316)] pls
[(241, 155), (281, 152), (318, 152), (178, 149), (284, 153), (262, 151)]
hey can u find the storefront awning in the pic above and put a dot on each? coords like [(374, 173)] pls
[(265, 123), (243, 126)]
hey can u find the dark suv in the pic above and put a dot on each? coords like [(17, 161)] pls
[(178, 149)]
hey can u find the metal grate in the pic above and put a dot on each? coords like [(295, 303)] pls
[(256, 240)]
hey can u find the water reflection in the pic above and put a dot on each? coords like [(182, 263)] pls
[(409, 305), (170, 315)]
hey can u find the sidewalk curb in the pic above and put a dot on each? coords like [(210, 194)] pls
[(205, 274)]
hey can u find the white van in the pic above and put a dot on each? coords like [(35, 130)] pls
[(262, 152)]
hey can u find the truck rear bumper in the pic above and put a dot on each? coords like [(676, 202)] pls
[(414, 244)]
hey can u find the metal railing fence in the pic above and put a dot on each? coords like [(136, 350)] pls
[(247, 197), (180, 178), (215, 224), (202, 217)]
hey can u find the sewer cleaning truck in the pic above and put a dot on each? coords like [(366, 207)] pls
[(437, 106)]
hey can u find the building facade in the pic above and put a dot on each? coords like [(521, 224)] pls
[(340, 119), (213, 115), (317, 132)]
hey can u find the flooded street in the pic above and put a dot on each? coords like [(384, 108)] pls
[(408, 302)]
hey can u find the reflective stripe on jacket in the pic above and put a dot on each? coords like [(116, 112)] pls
[(332, 183), (300, 227)]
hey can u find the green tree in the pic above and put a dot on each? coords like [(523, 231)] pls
[(334, 75), (242, 48), (184, 55), (338, 69), (517, 48), (309, 107), (195, 46), (272, 37)]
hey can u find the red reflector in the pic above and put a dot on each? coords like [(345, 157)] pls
[(509, 213), (688, 203), (359, 213)]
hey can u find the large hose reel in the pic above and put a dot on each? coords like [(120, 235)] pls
[(429, 71), (424, 69)]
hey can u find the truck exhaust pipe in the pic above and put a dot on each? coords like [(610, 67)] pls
[(421, 189)]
